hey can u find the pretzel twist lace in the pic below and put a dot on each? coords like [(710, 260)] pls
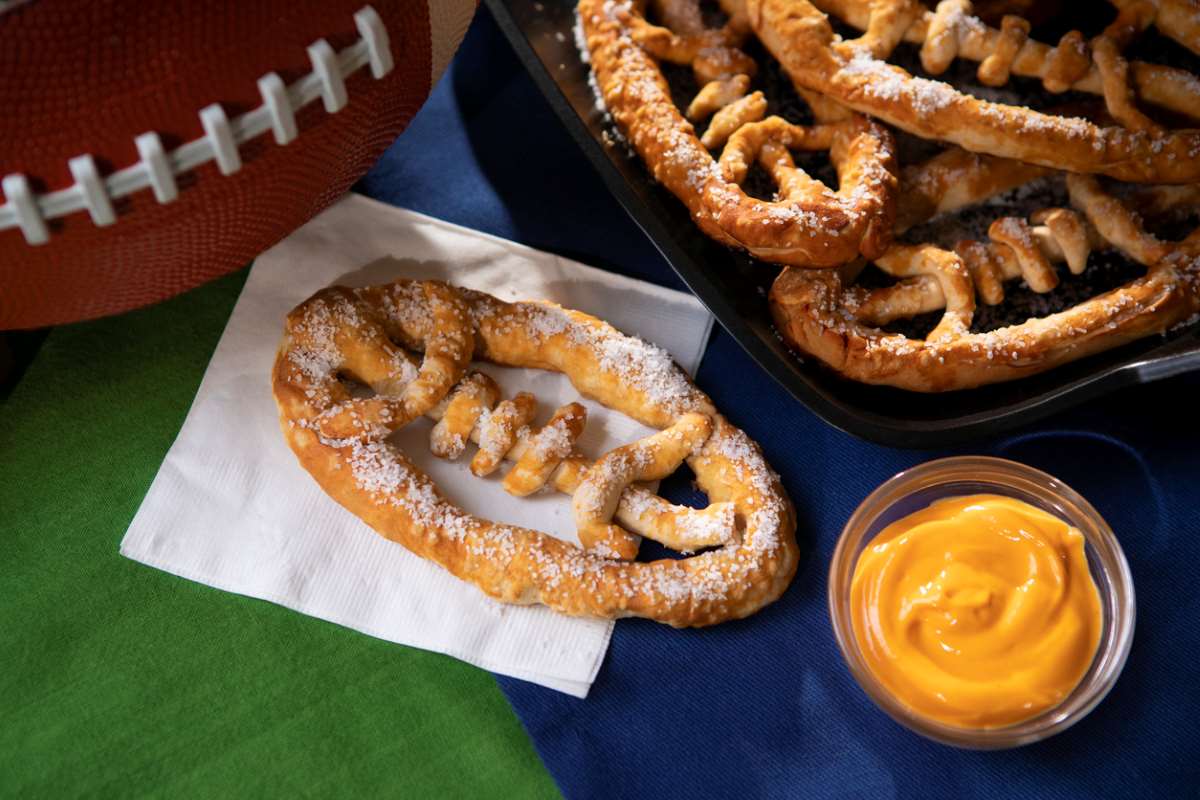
[(547, 457), (1178, 19), (367, 336)]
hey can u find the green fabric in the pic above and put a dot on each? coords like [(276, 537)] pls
[(116, 678)]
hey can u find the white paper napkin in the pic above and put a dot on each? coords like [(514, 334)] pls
[(230, 506)]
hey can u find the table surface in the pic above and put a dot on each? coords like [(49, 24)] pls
[(115, 677)]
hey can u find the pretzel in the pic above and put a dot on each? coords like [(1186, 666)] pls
[(808, 224), (342, 337), (852, 73), (823, 315)]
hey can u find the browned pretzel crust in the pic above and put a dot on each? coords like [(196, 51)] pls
[(809, 224), (852, 73), (342, 440), (826, 317), (1178, 19)]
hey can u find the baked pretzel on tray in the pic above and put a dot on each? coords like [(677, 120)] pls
[(855, 74), (823, 314), (340, 337), (808, 223)]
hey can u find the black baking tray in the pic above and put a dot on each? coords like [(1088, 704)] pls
[(733, 286)]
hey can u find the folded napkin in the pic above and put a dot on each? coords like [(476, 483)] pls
[(231, 507)]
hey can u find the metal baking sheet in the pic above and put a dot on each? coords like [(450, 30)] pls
[(734, 286)]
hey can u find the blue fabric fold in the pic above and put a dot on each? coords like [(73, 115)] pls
[(765, 707)]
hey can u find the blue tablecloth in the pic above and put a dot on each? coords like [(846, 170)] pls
[(765, 706)]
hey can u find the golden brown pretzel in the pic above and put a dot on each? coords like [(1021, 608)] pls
[(363, 335), (822, 315), (809, 224), (852, 73), (1178, 19)]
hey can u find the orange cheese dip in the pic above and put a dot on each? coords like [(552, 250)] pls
[(978, 611)]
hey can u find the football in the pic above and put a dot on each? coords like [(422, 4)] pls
[(148, 147)]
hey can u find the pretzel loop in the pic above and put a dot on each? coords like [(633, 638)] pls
[(362, 350), (809, 224), (856, 218)]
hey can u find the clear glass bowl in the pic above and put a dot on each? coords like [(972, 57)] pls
[(915, 489)]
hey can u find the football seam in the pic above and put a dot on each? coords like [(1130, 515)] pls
[(157, 168)]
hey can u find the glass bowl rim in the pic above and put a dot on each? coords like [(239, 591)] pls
[(1116, 594)]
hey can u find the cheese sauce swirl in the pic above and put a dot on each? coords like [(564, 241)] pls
[(978, 611)]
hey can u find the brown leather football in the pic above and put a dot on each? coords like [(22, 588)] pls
[(146, 147)]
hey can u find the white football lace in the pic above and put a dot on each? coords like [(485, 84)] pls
[(157, 168)]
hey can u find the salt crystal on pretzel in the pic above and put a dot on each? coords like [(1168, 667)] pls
[(342, 440)]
